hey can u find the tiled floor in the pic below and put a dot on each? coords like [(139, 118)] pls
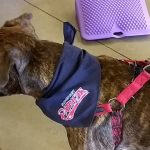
[(22, 125)]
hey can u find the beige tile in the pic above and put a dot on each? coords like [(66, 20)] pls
[(135, 48), (61, 9), (42, 23), (24, 127), (148, 5)]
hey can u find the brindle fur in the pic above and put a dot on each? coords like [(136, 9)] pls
[(27, 66)]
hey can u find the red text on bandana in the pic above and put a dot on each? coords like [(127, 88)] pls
[(68, 110)]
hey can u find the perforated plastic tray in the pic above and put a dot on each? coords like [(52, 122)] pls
[(100, 19)]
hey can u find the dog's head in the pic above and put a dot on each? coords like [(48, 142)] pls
[(16, 40)]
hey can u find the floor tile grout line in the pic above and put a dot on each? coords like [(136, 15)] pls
[(114, 50), (76, 29), (43, 11)]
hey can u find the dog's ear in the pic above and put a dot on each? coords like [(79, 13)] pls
[(12, 56), (19, 58), (4, 68), (23, 20)]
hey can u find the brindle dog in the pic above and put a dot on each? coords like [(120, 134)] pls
[(27, 66)]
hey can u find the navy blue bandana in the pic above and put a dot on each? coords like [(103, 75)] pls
[(72, 96)]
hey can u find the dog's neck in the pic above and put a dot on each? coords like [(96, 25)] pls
[(40, 70), (38, 73)]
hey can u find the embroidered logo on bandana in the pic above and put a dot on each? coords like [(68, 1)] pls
[(71, 103)]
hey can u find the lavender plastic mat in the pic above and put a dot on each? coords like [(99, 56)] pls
[(100, 19)]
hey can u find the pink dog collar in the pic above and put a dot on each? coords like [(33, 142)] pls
[(133, 88), (128, 92)]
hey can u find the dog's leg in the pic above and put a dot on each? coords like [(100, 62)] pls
[(77, 138)]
